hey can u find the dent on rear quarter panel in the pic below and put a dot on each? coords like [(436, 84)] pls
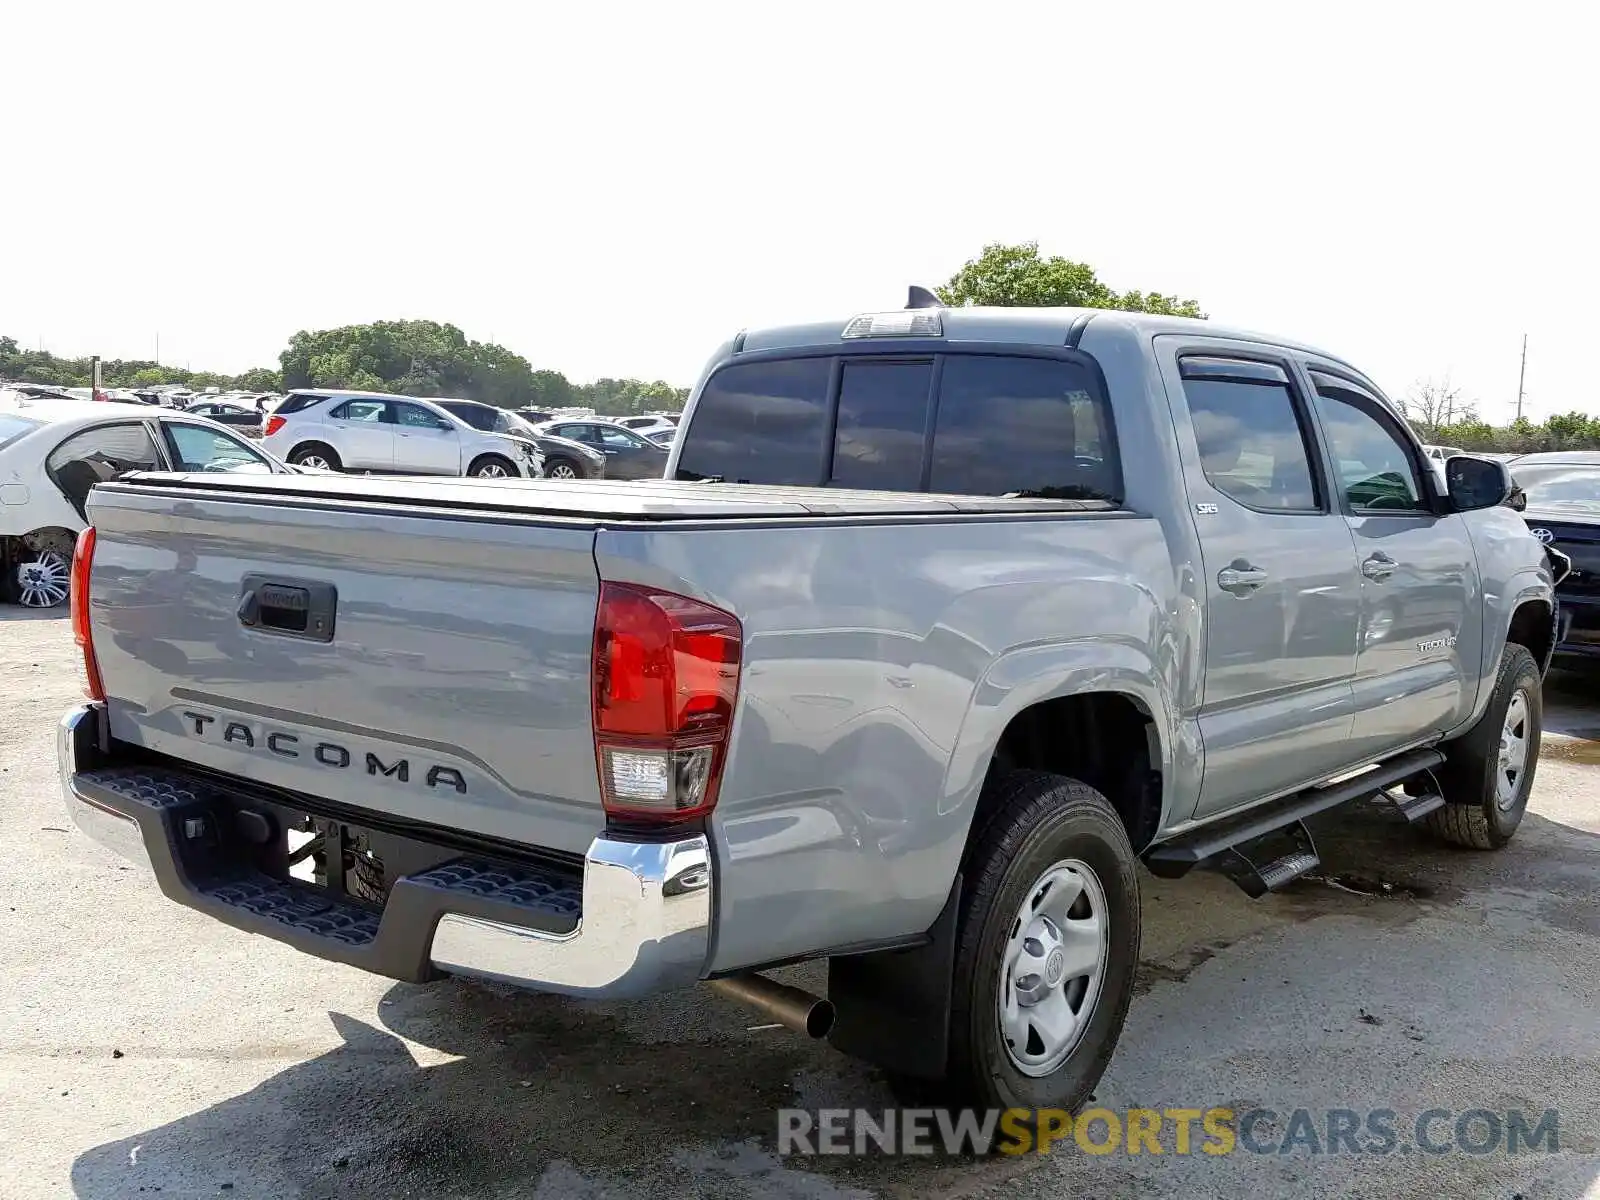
[(861, 734)]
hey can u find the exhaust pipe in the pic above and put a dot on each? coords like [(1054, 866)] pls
[(790, 1006)]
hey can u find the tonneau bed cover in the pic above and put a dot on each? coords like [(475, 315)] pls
[(619, 500)]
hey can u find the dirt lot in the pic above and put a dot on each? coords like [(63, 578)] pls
[(144, 1049)]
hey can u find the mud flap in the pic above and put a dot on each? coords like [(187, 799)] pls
[(893, 1006)]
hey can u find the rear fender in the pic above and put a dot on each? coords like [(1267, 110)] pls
[(1032, 675)]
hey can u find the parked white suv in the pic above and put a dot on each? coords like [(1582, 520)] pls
[(402, 435), (648, 426)]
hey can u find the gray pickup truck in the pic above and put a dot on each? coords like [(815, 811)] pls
[(943, 621)]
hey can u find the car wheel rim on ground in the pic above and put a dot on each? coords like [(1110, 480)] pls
[(562, 471), (43, 582), (1053, 967), (314, 460), (491, 471), (1513, 758)]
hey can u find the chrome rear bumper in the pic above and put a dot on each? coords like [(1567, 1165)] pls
[(644, 923)]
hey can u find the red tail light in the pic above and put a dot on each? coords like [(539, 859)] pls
[(666, 674), (273, 425), (82, 561)]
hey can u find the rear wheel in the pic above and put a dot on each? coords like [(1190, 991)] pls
[(1488, 773), (39, 579), (1047, 945), (561, 468), (492, 466), (315, 454)]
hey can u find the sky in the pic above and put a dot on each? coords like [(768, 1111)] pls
[(615, 189)]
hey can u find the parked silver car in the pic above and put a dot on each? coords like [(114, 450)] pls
[(402, 435)]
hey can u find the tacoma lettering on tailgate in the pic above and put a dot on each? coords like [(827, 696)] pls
[(332, 755)]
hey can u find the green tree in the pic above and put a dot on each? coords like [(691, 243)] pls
[(1017, 276), (1567, 431), (551, 389), (259, 379)]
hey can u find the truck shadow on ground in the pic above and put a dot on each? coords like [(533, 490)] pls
[(679, 1095)]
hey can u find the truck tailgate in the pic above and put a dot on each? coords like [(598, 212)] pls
[(453, 690)]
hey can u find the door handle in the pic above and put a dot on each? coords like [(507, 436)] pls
[(1241, 578), (1378, 567)]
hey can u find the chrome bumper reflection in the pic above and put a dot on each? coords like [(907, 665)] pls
[(646, 926), (78, 749)]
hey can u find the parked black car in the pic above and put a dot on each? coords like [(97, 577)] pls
[(227, 414), (628, 456), (1562, 492)]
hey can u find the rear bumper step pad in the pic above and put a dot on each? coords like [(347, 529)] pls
[(177, 816), (635, 919)]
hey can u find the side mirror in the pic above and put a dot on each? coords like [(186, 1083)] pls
[(1475, 483), (1518, 500)]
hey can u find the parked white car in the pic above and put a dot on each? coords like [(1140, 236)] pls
[(648, 426), (53, 451), (401, 435), (1439, 453)]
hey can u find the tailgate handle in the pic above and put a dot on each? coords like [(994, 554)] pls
[(291, 608)]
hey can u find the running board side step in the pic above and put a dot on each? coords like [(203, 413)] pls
[(1228, 843)]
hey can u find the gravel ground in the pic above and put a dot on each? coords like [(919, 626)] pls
[(144, 1049)]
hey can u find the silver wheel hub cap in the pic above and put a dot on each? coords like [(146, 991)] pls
[(44, 582), (1053, 967), (492, 471), (314, 460), (1513, 758), (562, 471)]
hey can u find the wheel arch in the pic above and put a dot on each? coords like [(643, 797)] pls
[(1533, 626), (1096, 711), (478, 458)]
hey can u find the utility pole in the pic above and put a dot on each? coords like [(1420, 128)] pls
[(1522, 373), (158, 348)]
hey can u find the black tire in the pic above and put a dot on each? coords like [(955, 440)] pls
[(555, 462), (1034, 821), (298, 456), (493, 466), (1475, 815)]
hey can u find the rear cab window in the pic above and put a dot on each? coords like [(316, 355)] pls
[(13, 427), (296, 401), (761, 422), (981, 424)]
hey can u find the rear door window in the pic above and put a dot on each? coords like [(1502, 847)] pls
[(361, 410), (578, 433), (1253, 443), (1011, 425), (760, 422), (100, 454), (882, 425)]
